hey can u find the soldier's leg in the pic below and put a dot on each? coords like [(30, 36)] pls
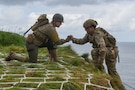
[(101, 62), (52, 50), (32, 52), (13, 56), (53, 55), (98, 61), (111, 62), (94, 55), (111, 66), (50, 57)]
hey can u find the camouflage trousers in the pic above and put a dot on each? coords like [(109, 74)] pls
[(98, 59), (110, 57), (111, 60)]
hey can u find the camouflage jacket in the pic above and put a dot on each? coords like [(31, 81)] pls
[(46, 32), (100, 39)]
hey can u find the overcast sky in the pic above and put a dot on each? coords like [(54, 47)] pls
[(116, 16)]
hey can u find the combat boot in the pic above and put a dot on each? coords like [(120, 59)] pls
[(9, 57), (13, 56)]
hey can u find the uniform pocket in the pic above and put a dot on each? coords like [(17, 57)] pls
[(30, 38)]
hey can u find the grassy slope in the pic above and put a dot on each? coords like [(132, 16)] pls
[(14, 42), (7, 38)]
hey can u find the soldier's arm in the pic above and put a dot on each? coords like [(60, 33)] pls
[(81, 40), (55, 38)]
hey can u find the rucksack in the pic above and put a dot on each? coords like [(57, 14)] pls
[(42, 20), (109, 39)]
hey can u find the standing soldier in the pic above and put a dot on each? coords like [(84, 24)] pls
[(104, 47), (44, 35)]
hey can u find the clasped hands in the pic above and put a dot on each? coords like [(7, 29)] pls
[(69, 38)]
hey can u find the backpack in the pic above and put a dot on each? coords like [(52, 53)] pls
[(42, 20), (109, 39)]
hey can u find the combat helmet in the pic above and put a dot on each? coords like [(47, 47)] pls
[(42, 17), (58, 17), (90, 22)]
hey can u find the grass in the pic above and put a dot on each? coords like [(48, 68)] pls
[(101, 81), (73, 65), (16, 70), (7, 39), (34, 66), (28, 85), (72, 86), (35, 74), (16, 88), (33, 80), (48, 86), (1, 66)]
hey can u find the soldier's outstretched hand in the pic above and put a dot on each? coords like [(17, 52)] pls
[(68, 38)]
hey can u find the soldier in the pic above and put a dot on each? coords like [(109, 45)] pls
[(99, 47), (43, 36), (104, 47)]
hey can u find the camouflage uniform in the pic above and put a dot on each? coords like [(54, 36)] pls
[(99, 48), (104, 48)]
